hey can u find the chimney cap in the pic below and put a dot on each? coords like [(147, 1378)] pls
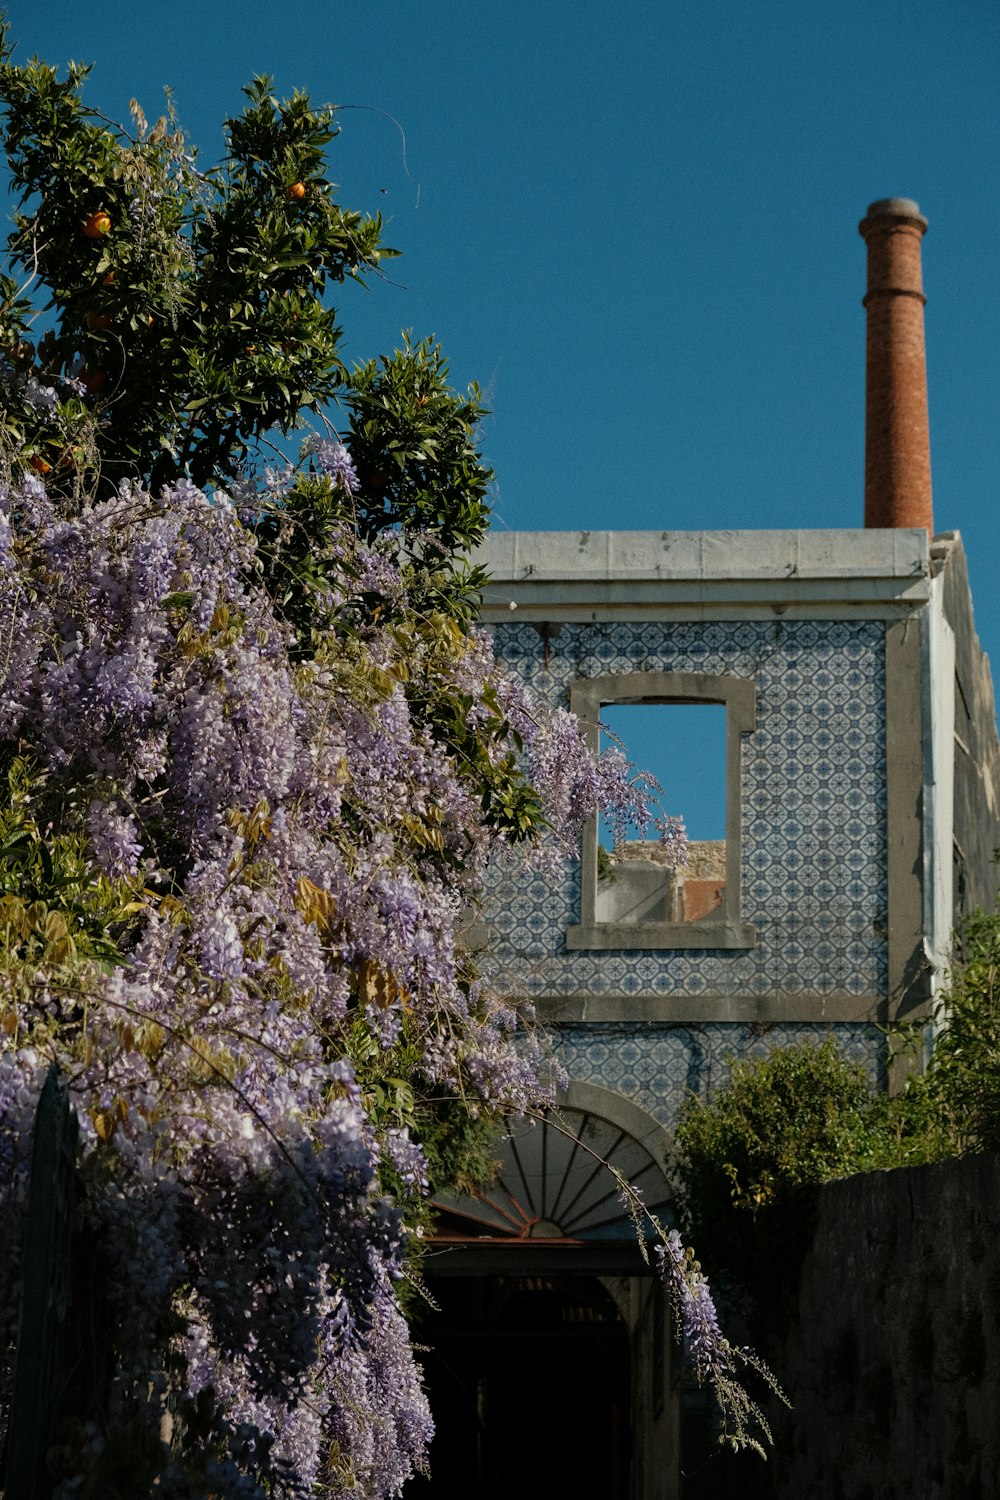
[(895, 208)]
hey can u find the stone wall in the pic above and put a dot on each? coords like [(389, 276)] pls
[(894, 1360)]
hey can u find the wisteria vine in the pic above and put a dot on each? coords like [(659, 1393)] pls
[(260, 859)]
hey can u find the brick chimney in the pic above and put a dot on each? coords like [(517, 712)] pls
[(897, 440)]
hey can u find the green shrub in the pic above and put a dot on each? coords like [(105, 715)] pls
[(747, 1164), (960, 1092)]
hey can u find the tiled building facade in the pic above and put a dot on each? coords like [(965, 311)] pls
[(840, 789)]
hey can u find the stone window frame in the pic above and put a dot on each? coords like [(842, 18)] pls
[(587, 696)]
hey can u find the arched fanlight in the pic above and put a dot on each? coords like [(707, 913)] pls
[(554, 1183)]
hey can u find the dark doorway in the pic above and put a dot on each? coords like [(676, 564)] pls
[(528, 1379)]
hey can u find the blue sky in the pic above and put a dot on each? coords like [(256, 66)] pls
[(636, 225)]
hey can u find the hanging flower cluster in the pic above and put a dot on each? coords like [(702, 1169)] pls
[(711, 1357), (265, 794)]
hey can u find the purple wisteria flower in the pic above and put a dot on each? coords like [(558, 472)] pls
[(407, 1158), (674, 839), (114, 838), (296, 836), (332, 459), (43, 397), (704, 1345)]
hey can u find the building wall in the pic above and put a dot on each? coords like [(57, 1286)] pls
[(977, 750), (868, 796), (853, 787), (813, 853), (813, 814)]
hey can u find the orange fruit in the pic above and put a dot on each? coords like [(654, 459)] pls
[(297, 190), (38, 464), (109, 280), (97, 226), (93, 380), (98, 321)]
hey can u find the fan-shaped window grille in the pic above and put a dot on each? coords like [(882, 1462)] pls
[(553, 1184)]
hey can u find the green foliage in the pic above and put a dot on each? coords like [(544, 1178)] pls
[(412, 443), (458, 1136), (194, 312), (959, 1093), (198, 323), (56, 909), (749, 1161), (194, 308), (197, 320)]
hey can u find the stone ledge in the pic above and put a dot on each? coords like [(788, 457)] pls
[(687, 1010), (848, 554)]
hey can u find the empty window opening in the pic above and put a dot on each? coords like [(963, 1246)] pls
[(652, 875), (683, 745), (687, 729)]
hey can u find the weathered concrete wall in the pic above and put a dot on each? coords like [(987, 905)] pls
[(894, 1361)]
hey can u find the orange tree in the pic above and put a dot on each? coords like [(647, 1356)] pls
[(188, 310)]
